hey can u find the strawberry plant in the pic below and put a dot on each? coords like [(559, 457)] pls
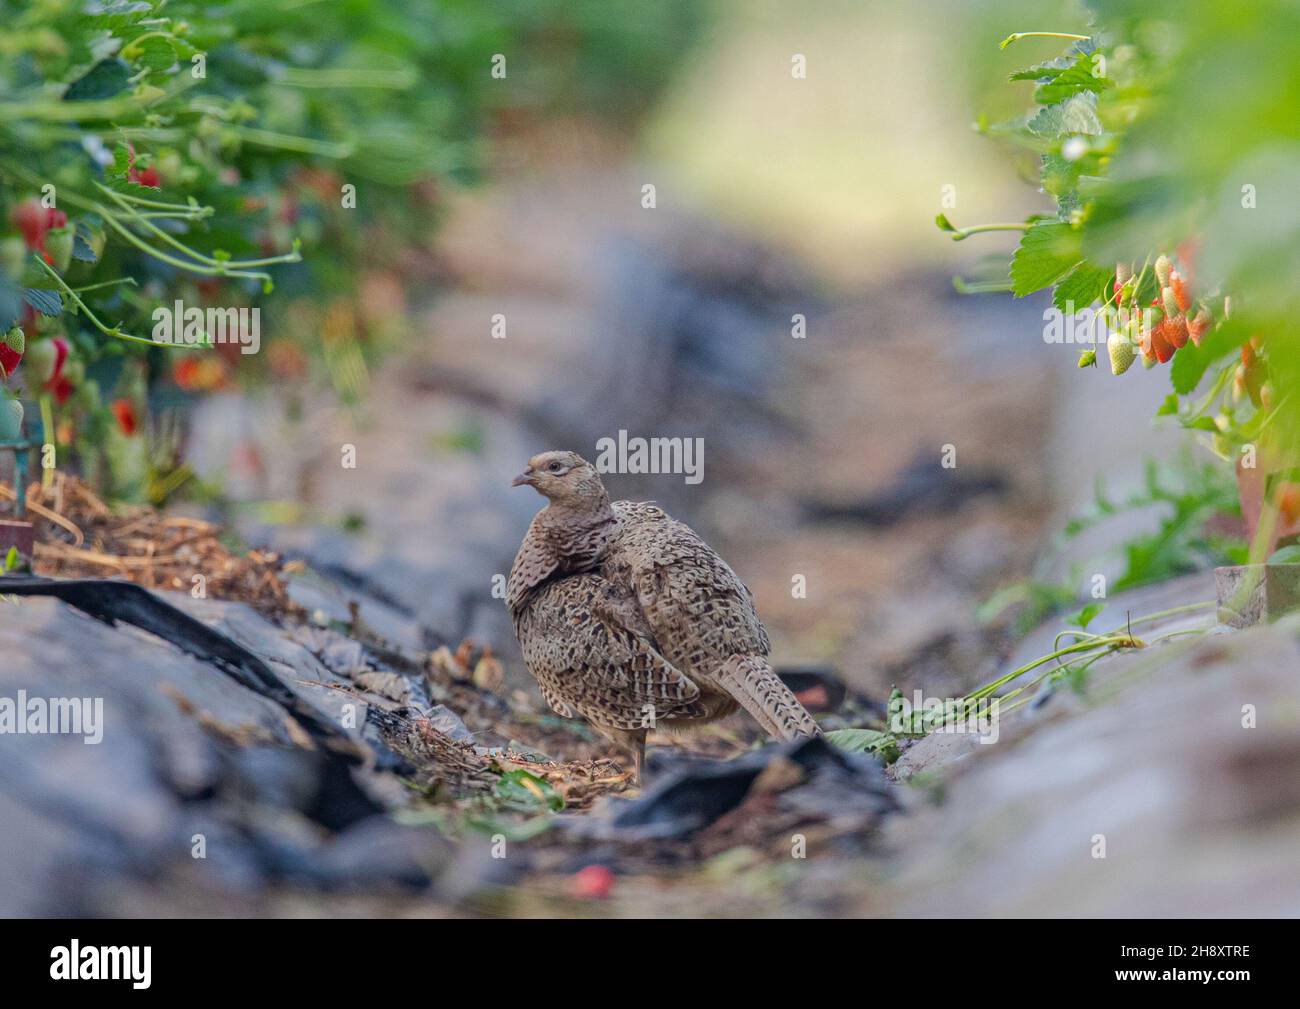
[(1166, 138), (160, 151), (155, 151)]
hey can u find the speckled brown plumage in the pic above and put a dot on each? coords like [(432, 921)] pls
[(624, 613)]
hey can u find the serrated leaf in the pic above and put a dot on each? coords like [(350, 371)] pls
[(1047, 252), (121, 162), (154, 52), (1077, 79), (1081, 287), (117, 13), (46, 302), (1075, 115), (1044, 71), (104, 80)]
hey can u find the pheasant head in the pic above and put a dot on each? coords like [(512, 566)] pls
[(565, 478)]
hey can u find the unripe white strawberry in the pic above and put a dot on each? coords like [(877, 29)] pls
[(1163, 268), (1169, 301), (11, 420), (1121, 352)]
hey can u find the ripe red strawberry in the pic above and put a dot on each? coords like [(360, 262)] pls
[(35, 221), (29, 218), (592, 883), (11, 351), (145, 177), (141, 176), (1160, 345), (1197, 327), (124, 411), (62, 389)]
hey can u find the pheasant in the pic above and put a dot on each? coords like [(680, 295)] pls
[(627, 617)]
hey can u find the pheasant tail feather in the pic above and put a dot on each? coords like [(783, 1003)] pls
[(751, 681)]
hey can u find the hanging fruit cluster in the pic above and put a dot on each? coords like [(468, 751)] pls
[(37, 340), (1157, 330)]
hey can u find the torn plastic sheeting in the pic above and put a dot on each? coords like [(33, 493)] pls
[(113, 601), (694, 794)]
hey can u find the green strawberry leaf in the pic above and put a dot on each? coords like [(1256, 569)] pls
[(1081, 287), (1044, 71), (1077, 114), (1191, 362), (1047, 252), (1077, 79), (44, 301), (104, 80)]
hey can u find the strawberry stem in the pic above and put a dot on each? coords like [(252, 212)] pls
[(1017, 36), (960, 234)]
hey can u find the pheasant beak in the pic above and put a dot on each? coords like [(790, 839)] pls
[(524, 479)]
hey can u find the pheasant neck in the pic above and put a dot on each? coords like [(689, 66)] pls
[(581, 532)]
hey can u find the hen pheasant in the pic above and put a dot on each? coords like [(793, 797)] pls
[(626, 617)]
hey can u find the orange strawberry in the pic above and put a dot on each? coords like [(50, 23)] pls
[(1176, 332), (1181, 294), (1288, 502)]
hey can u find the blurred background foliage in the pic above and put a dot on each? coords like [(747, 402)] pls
[(259, 113)]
